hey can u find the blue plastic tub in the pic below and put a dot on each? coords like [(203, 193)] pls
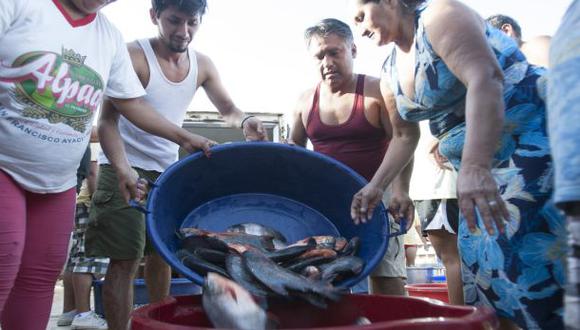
[(298, 192)]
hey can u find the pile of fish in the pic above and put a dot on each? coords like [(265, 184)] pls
[(264, 264)]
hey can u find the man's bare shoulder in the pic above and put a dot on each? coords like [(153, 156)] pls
[(305, 101), (137, 55), (203, 60), (135, 49)]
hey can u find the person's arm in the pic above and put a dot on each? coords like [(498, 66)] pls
[(298, 134), (210, 81), (113, 147), (458, 36), (405, 137), (142, 115), (400, 204), (92, 177), (94, 135)]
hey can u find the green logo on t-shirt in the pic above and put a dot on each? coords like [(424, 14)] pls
[(60, 88)]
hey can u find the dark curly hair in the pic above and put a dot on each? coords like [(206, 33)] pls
[(191, 7)]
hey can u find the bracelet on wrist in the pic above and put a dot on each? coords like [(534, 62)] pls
[(244, 120)]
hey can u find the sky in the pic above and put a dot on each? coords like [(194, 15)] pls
[(259, 51)]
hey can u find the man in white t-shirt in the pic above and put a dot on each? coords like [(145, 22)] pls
[(58, 58), (171, 72)]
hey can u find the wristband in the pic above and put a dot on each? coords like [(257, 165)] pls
[(244, 120)]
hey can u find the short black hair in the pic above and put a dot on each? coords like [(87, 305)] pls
[(329, 26), (497, 21), (190, 7)]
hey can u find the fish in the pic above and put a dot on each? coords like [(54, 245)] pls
[(299, 264), (261, 242), (281, 280), (291, 252), (311, 272), (321, 241), (259, 230), (192, 242), (351, 248), (340, 243), (319, 252), (213, 256), (343, 266), (229, 306), (197, 264), (243, 277)]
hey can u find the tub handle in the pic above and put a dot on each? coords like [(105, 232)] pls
[(402, 226), (136, 204)]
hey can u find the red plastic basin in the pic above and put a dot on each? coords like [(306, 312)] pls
[(429, 290), (384, 312)]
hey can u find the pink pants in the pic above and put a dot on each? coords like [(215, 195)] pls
[(34, 235)]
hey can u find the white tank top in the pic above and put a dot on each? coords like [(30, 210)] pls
[(171, 100)]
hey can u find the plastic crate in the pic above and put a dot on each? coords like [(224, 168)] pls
[(179, 287)]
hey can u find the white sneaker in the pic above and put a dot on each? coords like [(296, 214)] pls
[(65, 319), (89, 321)]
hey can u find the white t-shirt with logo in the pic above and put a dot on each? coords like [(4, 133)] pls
[(54, 72)]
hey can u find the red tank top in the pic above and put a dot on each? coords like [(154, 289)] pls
[(356, 142)]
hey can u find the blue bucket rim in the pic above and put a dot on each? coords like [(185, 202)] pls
[(162, 249)]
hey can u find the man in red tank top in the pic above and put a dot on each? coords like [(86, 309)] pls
[(345, 117)]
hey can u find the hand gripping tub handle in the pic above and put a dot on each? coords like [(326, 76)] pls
[(136, 204), (402, 226)]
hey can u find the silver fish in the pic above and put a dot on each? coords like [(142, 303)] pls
[(260, 230), (229, 306)]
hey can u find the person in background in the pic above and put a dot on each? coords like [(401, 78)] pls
[(80, 270), (344, 118), (412, 241), (536, 49), (57, 60), (171, 72), (479, 94), (564, 127), (433, 192)]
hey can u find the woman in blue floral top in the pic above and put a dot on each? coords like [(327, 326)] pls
[(479, 94)]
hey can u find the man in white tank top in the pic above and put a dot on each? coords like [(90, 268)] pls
[(170, 72)]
